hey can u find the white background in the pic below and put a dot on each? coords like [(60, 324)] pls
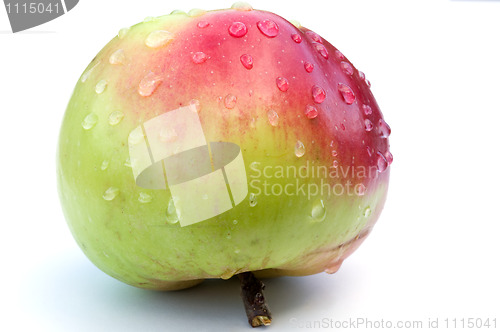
[(434, 68)]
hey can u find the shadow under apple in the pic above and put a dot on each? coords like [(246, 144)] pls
[(68, 293)]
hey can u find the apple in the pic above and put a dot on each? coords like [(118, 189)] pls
[(220, 143)]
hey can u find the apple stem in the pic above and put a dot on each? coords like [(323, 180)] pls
[(253, 298)]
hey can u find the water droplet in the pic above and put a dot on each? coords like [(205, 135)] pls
[(347, 68), (382, 163), (282, 84), (240, 5), (335, 164), (149, 84), (368, 125), (172, 217), (195, 12), (159, 38), (297, 38), (311, 111), (123, 32), (86, 74), (300, 149), (369, 150), (196, 104), (203, 24), (168, 134), (367, 212), (247, 61), (273, 118), (321, 49), (384, 128), (388, 156), (368, 83), (230, 101), (101, 86), (360, 189), (361, 75), (228, 235), (149, 19), (339, 55), (334, 153), (333, 267), (254, 164), (318, 212), (199, 57), (346, 93), (104, 165), (237, 250), (367, 109), (314, 37), (117, 58), (237, 29), (128, 162), (252, 199), (268, 28), (115, 118), (136, 136), (145, 198), (89, 121), (308, 67), (235, 222), (318, 94), (178, 12), (111, 193)]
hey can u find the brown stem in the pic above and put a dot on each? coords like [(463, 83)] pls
[(255, 304)]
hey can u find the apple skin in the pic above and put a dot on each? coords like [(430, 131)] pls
[(125, 231)]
